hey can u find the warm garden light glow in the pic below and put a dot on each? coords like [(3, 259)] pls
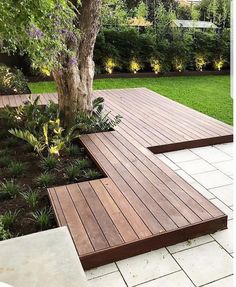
[(178, 64), (155, 64), (110, 65), (219, 63), (200, 62), (135, 66)]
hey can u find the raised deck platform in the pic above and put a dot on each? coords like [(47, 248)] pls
[(141, 204)]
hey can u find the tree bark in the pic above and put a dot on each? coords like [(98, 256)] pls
[(75, 80)]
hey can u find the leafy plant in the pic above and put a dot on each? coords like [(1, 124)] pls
[(72, 172), (156, 65), (9, 189), (98, 120), (45, 179), (9, 218), (4, 160), (31, 197), (50, 139), (110, 65), (49, 163), (12, 81), (200, 62), (43, 217), (16, 168), (11, 141), (135, 65), (4, 233), (92, 174), (82, 163), (74, 149)]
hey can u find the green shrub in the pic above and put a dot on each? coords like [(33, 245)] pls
[(4, 233), (9, 189), (82, 163), (92, 174), (74, 150), (9, 218), (72, 172), (45, 179), (12, 81), (5, 159), (49, 163), (31, 197), (16, 168), (43, 217)]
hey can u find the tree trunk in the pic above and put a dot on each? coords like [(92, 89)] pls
[(75, 80)]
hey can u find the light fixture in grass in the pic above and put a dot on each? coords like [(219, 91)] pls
[(31, 197), (155, 65), (16, 168), (219, 63), (9, 189), (110, 64), (43, 217), (178, 64), (200, 62), (9, 218), (135, 65), (45, 179)]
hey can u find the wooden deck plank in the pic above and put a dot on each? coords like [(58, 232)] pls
[(141, 204)]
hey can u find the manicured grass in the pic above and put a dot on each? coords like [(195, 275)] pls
[(207, 94)]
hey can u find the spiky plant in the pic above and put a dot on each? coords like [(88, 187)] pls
[(9, 189), (16, 168), (82, 163), (43, 217), (31, 197), (46, 179), (49, 163), (92, 174), (9, 218), (72, 172)]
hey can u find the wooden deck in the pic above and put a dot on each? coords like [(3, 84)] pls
[(141, 204)]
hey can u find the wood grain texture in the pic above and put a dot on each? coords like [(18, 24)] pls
[(141, 204)]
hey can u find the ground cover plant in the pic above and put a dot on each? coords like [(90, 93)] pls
[(207, 94), (43, 155)]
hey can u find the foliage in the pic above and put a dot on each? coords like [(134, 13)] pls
[(43, 217), (4, 160), (31, 197), (74, 149), (219, 63), (40, 29), (110, 65), (9, 218), (114, 13), (16, 168), (200, 61), (4, 233), (12, 81), (92, 174), (9, 189), (72, 172), (49, 163), (135, 65), (46, 179), (82, 163), (156, 65), (98, 120), (178, 64)]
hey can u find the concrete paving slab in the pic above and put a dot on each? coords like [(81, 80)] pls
[(41, 259)]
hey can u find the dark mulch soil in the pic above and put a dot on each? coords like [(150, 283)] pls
[(21, 152)]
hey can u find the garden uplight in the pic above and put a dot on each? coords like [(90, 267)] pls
[(110, 65), (200, 62), (156, 66), (135, 66), (219, 63), (178, 64)]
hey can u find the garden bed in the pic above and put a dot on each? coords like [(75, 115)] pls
[(20, 165)]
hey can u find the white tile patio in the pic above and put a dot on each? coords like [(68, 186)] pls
[(206, 261)]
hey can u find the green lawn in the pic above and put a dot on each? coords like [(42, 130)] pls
[(207, 94)]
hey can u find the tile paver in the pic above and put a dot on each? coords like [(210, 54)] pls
[(101, 271), (225, 282), (177, 279), (148, 266), (212, 179), (182, 155), (112, 280), (196, 166), (211, 154), (205, 263), (227, 167), (224, 193)]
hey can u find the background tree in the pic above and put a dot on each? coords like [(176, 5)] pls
[(114, 13), (59, 38)]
